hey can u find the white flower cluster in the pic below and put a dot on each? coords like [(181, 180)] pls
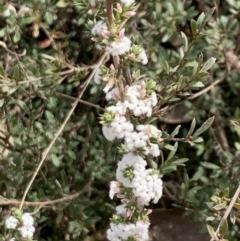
[(25, 225), (120, 46), (136, 100), (136, 185), (145, 185), (122, 232)]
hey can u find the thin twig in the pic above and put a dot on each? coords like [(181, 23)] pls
[(8, 202), (2, 44), (109, 13), (48, 148), (205, 90), (81, 101), (225, 216), (168, 194), (53, 43)]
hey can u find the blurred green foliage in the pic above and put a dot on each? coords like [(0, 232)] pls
[(50, 54)]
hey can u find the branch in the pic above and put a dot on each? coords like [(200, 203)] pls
[(80, 101), (109, 13), (45, 203), (205, 90)]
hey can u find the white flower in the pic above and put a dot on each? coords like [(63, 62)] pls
[(113, 94), (27, 231), (154, 150), (142, 57), (27, 219), (119, 47), (127, 2), (136, 140), (150, 130), (121, 209), (108, 133), (123, 232), (114, 188), (97, 76), (99, 27), (154, 99), (11, 222), (120, 126), (12, 239)]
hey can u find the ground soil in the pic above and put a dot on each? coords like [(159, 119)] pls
[(175, 225)]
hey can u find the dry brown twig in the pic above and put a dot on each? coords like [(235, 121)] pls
[(8, 202)]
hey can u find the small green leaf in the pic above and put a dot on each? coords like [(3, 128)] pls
[(192, 127), (198, 174), (194, 64), (210, 62), (49, 116), (185, 40), (197, 84), (55, 160), (223, 227), (173, 152), (220, 206), (198, 140), (207, 16), (27, 20), (226, 192), (59, 217), (176, 130), (185, 177), (49, 17), (23, 106), (170, 147), (210, 218), (194, 27), (165, 65), (200, 19), (233, 217), (2, 32), (169, 169), (203, 127), (16, 37), (180, 161), (38, 125), (61, 4), (210, 165), (201, 74), (72, 154), (1, 102), (212, 232)]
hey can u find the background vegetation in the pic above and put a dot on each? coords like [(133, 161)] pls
[(46, 56)]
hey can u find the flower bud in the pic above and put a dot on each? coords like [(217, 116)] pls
[(130, 13), (119, 7)]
